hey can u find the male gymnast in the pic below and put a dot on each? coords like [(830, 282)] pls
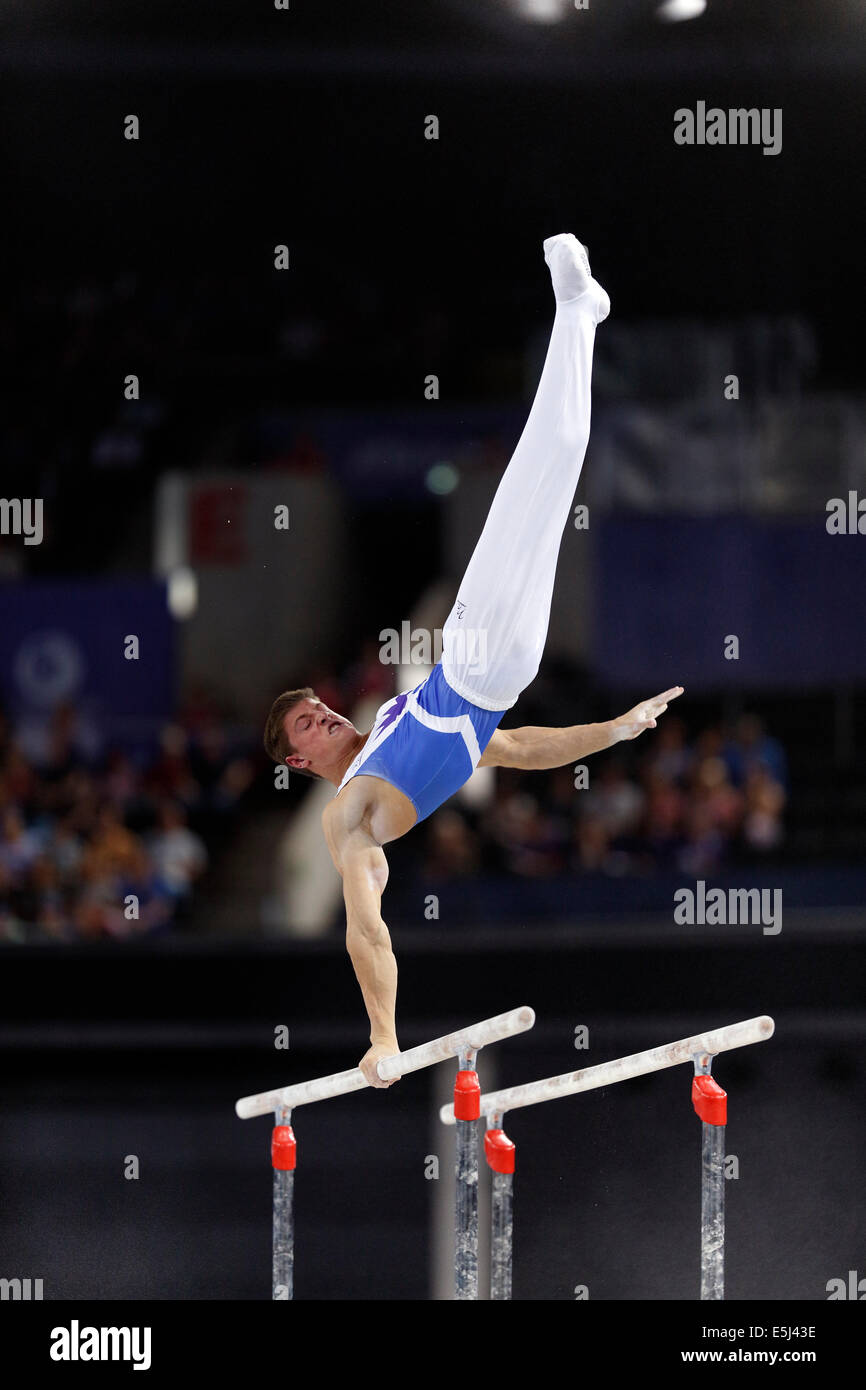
[(425, 743)]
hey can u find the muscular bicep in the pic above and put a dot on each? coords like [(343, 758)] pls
[(500, 751)]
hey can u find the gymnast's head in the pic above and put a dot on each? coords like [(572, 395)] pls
[(308, 737)]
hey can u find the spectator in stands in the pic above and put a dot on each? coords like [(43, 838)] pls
[(528, 840), (58, 742), (592, 844), (18, 781), (153, 906), (451, 849), (614, 800), (669, 755), (704, 845), (753, 747), (664, 815), (113, 850), (178, 854), (172, 775), (19, 846), (712, 791), (765, 802), (65, 849), (121, 779), (49, 909), (77, 798)]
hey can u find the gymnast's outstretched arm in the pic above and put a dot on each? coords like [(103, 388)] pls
[(361, 862), (533, 748)]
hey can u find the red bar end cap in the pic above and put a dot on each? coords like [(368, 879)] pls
[(499, 1151), (709, 1100), (284, 1150), (467, 1096)]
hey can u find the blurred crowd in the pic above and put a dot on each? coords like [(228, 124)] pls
[(97, 841), (101, 843), (665, 802)]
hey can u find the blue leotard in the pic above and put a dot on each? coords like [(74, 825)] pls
[(426, 742)]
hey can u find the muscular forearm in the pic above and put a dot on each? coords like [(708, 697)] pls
[(537, 748), (369, 947)]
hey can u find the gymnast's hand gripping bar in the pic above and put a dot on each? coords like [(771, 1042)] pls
[(477, 1035), (752, 1030)]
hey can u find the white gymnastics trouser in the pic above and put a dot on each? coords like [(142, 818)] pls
[(494, 635)]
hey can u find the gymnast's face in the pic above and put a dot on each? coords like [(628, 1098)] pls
[(317, 734)]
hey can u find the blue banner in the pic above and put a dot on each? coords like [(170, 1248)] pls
[(670, 591), (71, 643)]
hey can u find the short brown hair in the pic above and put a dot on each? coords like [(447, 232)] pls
[(277, 744)]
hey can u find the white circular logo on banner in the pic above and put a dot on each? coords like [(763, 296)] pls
[(48, 667)]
